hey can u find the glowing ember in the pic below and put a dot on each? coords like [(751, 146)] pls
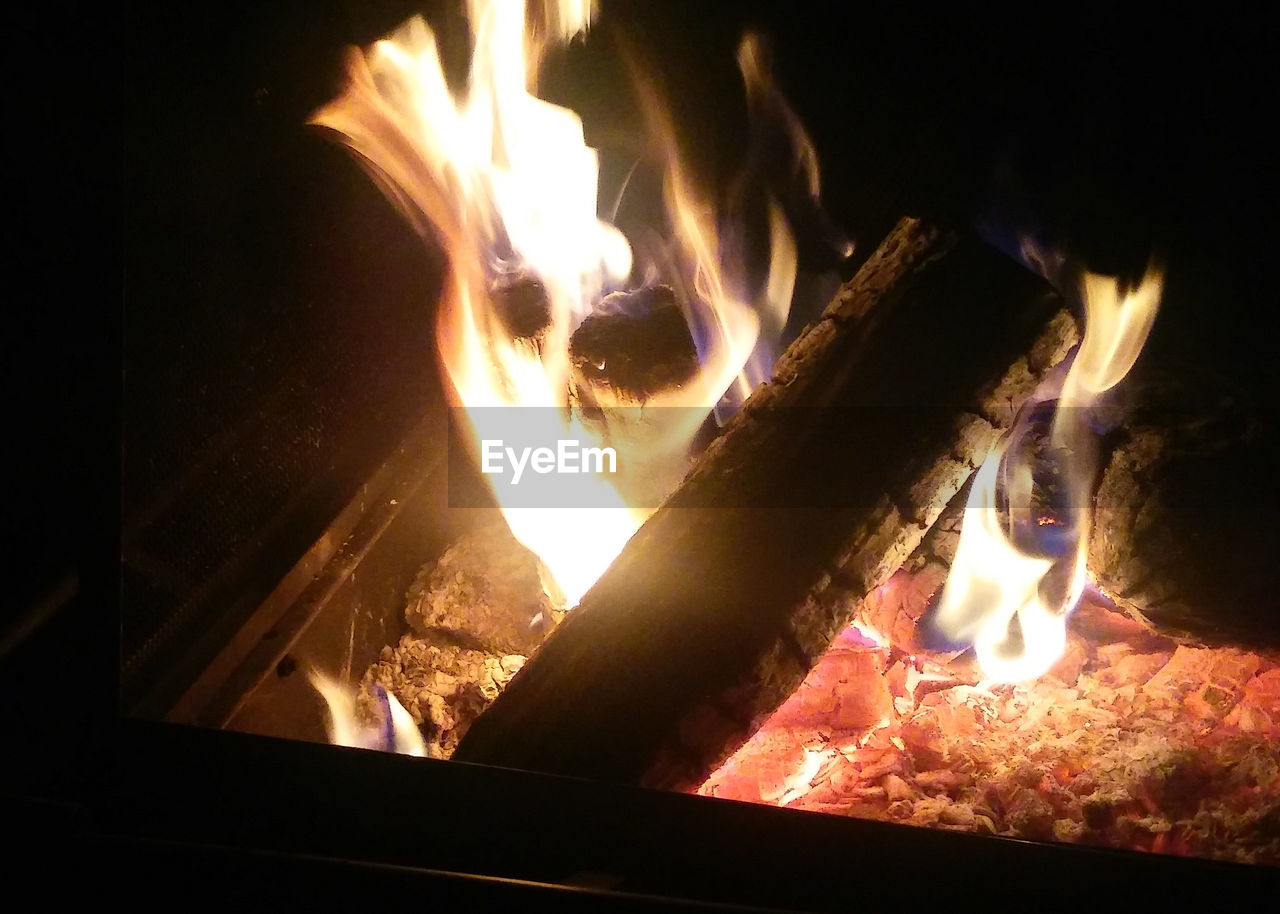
[(1130, 740), (506, 183), (1009, 595)]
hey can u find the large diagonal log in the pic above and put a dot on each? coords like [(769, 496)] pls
[(709, 618)]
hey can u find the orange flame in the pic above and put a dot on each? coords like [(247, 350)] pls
[(505, 181), (994, 597)]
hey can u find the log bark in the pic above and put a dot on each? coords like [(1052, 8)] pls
[(1182, 538), (1185, 537), (713, 614)]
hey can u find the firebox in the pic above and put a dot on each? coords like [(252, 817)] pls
[(647, 456)]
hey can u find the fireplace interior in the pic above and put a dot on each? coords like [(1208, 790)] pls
[(750, 707)]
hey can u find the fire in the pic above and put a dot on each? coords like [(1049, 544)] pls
[(1020, 569), (394, 732), (506, 183)]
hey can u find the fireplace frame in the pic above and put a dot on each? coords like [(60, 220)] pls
[(147, 807), (292, 820)]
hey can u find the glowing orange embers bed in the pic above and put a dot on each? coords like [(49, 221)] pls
[(1068, 720), (1129, 741)]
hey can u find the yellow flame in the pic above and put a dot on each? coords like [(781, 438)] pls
[(730, 325), (991, 583), (761, 92), (1117, 324), (506, 183), (993, 597), (398, 734)]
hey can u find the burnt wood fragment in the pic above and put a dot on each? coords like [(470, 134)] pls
[(633, 346), (1185, 536), (443, 685), (633, 354), (713, 613), (524, 307)]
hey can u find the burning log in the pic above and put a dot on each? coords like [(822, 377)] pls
[(1182, 541), (633, 346), (1175, 542), (632, 352), (713, 614)]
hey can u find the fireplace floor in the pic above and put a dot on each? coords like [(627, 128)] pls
[(1131, 741)]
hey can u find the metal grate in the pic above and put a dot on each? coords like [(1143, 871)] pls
[(278, 346)]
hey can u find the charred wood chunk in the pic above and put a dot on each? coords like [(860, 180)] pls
[(485, 592), (523, 306), (713, 613), (1185, 536), (636, 344)]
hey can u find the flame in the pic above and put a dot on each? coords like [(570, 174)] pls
[(1116, 327), (506, 183), (991, 583), (396, 732), (998, 596)]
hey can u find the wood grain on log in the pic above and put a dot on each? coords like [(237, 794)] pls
[(712, 614), (1180, 541), (1185, 537)]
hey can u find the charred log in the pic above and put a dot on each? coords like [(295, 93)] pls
[(633, 348), (522, 304), (1184, 533), (635, 345), (1180, 539), (713, 613)]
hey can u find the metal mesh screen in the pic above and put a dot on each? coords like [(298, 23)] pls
[(278, 344)]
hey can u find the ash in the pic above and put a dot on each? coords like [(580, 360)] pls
[(443, 686), (1131, 741), (475, 616), (487, 592)]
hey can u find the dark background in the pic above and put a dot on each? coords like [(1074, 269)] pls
[(262, 277)]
